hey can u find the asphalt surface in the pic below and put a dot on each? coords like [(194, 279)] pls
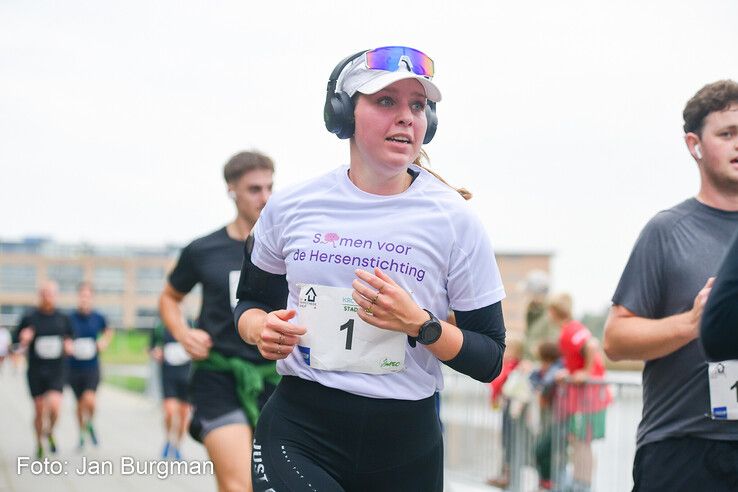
[(131, 437), (130, 432)]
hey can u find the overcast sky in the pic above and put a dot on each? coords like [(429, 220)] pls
[(564, 118)]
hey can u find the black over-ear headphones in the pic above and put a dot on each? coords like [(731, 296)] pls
[(338, 112)]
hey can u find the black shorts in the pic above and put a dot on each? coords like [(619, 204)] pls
[(43, 379), (81, 380), (311, 437), (175, 382), (213, 396), (686, 464)]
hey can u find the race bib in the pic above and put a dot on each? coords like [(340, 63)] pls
[(84, 348), (723, 377), (5, 341), (233, 277), (48, 347), (175, 354), (338, 340)]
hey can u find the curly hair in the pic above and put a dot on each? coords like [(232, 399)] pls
[(717, 96)]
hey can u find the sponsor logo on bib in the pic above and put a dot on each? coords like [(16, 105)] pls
[(305, 352)]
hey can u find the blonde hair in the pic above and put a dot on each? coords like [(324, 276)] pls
[(423, 156), (561, 304)]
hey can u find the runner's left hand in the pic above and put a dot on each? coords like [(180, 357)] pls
[(385, 304)]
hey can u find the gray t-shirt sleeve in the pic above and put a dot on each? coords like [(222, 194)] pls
[(640, 287)]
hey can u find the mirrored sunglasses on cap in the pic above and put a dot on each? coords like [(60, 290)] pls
[(389, 58)]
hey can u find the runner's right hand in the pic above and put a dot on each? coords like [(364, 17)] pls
[(278, 336), (157, 354), (197, 343), (26, 335), (698, 306)]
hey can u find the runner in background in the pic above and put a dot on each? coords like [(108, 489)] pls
[(231, 380), (91, 335), (174, 367), (46, 334)]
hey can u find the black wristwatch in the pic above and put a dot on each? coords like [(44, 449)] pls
[(430, 331)]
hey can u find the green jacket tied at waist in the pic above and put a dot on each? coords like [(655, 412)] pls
[(250, 379)]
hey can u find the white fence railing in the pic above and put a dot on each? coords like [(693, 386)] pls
[(560, 442)]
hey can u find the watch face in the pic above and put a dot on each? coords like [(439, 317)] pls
[(429, 332)]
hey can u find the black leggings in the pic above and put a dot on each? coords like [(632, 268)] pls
[(313, 438)]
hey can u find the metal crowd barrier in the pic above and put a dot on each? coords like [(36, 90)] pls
[(563, 439)]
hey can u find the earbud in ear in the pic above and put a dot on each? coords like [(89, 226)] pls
[(698, 151), (231, 194)]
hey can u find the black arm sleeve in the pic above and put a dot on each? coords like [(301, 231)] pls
[(719, 329), (25, 321), (257, 288), (484, 343)]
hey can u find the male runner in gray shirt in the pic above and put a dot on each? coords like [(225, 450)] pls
[(658, 305)]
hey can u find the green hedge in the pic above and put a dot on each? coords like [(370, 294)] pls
[(130, 383), (127, 347)]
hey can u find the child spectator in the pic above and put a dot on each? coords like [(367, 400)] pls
[(583, 399), (544, 383)]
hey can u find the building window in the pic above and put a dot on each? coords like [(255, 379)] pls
[(67, 276), (10, 314), (149, 280), (147, 317), (17, 278), (109, 280), (113, 313)]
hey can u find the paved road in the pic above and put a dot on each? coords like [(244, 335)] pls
[(129, 427)]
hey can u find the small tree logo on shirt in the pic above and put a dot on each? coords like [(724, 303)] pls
[(331, 237)]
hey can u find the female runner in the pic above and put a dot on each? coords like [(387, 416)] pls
[(371, 253)]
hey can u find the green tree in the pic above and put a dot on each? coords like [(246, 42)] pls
[(596, 322)]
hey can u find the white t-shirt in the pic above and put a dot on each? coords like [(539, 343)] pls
[(426, 238)]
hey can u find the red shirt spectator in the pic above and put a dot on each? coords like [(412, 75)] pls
[(575, 350)]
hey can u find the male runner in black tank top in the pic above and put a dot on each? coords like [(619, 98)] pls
[(223, 419)]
